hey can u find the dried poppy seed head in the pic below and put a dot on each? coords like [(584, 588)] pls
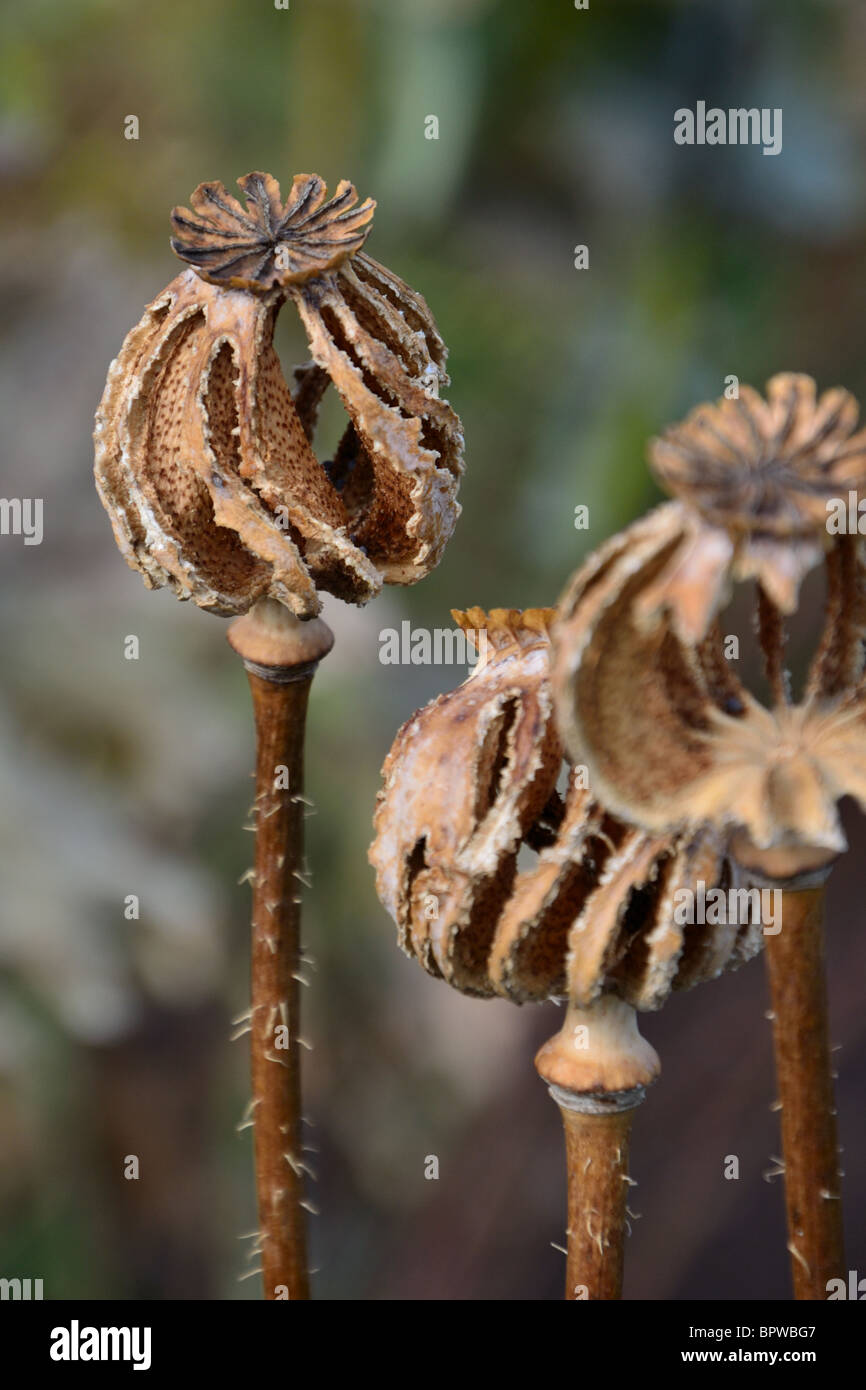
[(696, 748), (204, 458), (760, 474), (471, 781)]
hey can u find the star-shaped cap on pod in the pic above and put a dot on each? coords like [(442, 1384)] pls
[(270, 245), (755, 477)]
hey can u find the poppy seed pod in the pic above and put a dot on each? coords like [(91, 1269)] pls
[(470, 782), (204, 458), (697, 748)]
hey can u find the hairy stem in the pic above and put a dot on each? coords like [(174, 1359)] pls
[(795, 962), (596, 1151), (597, 1067), (280, 656), (280, 713)]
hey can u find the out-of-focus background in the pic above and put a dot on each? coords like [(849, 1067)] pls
[(128, 777)]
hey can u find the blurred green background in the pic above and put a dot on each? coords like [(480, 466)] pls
[(121, 777)]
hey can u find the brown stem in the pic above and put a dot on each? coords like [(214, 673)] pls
[(597, 1066), (280, 655), (795, 962), (596, 1155)]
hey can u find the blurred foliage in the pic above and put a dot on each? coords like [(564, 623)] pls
[(555, 129)]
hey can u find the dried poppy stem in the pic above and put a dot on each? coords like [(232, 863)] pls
[(280, 654), (598, 1067), (795, 963), (596, 1155)]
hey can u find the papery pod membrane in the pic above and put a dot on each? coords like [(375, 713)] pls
[(641, 738), (204, 466), (399, 465), (465, 779), (629, 939)]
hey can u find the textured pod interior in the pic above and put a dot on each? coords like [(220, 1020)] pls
[(400, 461), (176, 491)]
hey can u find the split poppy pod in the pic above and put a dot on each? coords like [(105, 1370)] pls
[(204, 457), (697, 748), (470, 782)]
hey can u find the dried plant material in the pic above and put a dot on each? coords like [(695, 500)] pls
[(597, 1068), (269, 245), (198, 447), (205, 463), (614, 1061), (801, 1042), (697, 748), (465, 781), (762, 472), (470, 789), (204, 459), (472, 779), (676, 747), (398, 466)]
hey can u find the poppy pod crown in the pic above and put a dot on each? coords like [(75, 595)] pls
[(205, 459)]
